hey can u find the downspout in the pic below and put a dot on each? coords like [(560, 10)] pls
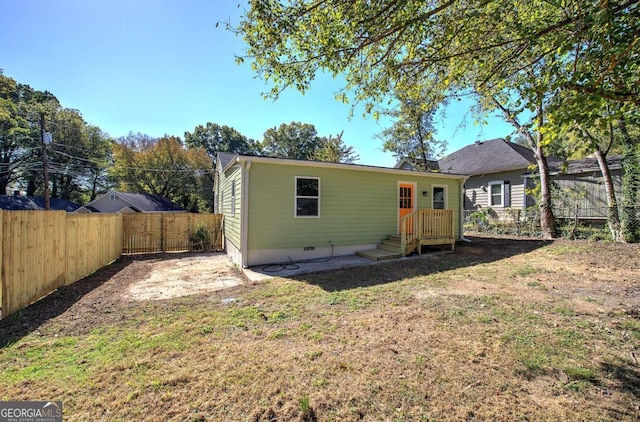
[(462, 182), (244, 214)]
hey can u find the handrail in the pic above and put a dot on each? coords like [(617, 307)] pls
[(408, 230)]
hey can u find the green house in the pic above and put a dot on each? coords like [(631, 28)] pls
[(282, 210)]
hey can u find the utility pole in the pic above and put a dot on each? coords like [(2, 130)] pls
[(45, 169)]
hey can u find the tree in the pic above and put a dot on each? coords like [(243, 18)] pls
[(298, 141), (163, 167), (411, 136), (334, 150), (453, 47), (215, 138), (20, 109)]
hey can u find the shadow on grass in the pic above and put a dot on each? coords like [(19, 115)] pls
[(27, 320), (628, 377), (479, 251)]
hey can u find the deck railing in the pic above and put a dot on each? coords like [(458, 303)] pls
[(426, 226)]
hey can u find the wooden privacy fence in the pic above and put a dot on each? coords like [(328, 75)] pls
[(42, 251), (175, 232)]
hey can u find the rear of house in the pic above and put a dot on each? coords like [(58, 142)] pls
[(280, 210)]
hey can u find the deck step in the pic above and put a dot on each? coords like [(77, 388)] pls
[(390, 246), (379, 254)]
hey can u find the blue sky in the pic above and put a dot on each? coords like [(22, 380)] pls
[(163, 67)]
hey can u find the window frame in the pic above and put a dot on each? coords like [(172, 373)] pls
[(446, 196), (296, 196), (233, 197), (490, 193)]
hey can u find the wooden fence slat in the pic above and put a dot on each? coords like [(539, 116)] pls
[(43, 250)]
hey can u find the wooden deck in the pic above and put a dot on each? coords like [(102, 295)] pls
[(426, 227), (420, 228)]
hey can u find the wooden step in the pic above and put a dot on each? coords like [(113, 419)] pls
[(390, 246), (379, 254)]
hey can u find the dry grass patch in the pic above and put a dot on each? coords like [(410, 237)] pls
[(499, 330)]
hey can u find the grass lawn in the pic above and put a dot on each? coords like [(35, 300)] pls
[(499, 330)]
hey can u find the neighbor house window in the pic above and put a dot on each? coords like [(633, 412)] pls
[(439, 198), (499, 194), (112, 197), (307, 197)]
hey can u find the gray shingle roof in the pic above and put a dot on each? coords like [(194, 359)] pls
[(583, 165), (225, 158), (485, 157), (148, 203), (31, 203)]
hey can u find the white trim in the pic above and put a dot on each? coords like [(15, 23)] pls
[(295, 196), (490, 195), (446, 195), (244, 213)]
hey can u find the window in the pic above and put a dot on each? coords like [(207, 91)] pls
[(406, 198), (233, 198), (439, 198), (499, 194), (112, 197), (307, 197)]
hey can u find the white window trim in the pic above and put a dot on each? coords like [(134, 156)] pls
[(446, 195), (501, 183), (295, 197)]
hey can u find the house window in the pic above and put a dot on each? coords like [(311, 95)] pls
[(439, 198), (112, 197), (307, 197), (499, 194), (233, 198)]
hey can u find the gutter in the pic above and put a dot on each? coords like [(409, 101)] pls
[(462, 238), (245, 165)]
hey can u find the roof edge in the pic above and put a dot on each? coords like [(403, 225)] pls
[(359, 167)]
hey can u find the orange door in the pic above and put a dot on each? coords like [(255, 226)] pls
[(406, 200)]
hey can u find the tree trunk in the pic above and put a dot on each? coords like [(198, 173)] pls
[(4, 182), (613, 216), (547, 220), (94, 187), (31, 185)]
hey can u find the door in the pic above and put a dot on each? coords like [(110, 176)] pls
[(406, 199)]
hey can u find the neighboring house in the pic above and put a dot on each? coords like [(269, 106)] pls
[(281, 210), (115, 202), (31, 203), (500, 172)]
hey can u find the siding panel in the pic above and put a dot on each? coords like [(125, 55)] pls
[(356, 207)]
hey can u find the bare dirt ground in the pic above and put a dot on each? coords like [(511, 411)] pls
[(184, 276)]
